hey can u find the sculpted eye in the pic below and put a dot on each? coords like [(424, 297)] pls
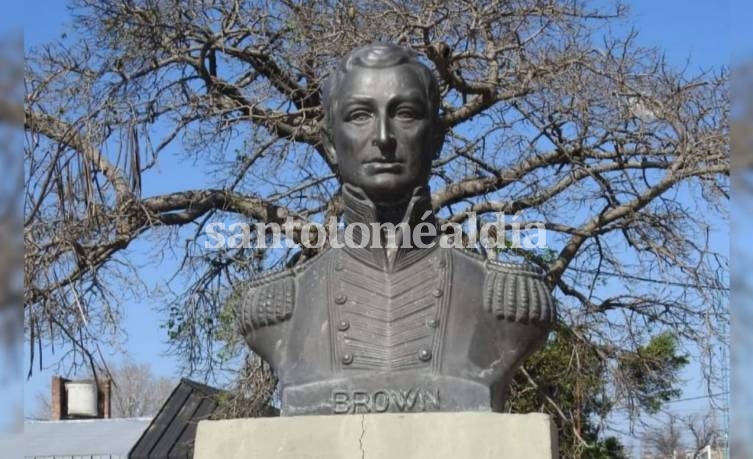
[(407, 113), (359, 116)]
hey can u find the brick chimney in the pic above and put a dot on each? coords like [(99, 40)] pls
[(59, 400), (104, 392)]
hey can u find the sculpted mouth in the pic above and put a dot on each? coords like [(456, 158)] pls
[(384, 166), (383, 161)]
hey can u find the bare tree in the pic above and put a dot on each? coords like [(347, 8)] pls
[(621, 157), (665, 440), (42, 407), (669, 438), (252, 394), (138, 391), (704, 432)]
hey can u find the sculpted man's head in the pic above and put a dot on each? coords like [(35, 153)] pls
[(382, 121)]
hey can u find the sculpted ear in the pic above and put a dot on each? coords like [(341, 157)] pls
[(328, 143)]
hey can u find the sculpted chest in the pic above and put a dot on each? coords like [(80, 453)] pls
[(443, 333), (388, 320)]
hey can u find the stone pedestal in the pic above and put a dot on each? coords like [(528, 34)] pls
[(474, 435)]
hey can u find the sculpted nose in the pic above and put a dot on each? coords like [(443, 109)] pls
[(383, 137)]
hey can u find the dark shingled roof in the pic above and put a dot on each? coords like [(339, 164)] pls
[(173, 430)]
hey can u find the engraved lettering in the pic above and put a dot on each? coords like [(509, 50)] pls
[(381, 401), (433, 397), (342, 402), (398, 400), (361, 399), (420, 401), (385, 400), (410, 399)]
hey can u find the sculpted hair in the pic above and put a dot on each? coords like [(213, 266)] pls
[(377, 55)]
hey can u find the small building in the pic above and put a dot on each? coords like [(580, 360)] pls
[(81, 427), (80, 424), (173, 430), (82, 438)]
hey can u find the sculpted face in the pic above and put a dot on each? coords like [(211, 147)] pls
[(383, 131)]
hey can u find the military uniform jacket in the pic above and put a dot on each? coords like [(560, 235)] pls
[(428, 329)]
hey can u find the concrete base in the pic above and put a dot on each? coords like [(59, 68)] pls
[(376, 436)]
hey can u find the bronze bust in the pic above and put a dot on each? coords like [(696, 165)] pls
[(409, 327)]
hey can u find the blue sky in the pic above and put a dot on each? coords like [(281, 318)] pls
[(698, 33)]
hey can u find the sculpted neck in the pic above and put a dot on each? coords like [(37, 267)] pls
[(359, 208), (394, 251)]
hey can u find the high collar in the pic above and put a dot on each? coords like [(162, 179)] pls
[(414, 210)]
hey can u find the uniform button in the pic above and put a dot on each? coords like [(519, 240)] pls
[(432, 323), (339, 265), (343, 325), (437, 292), (341, 299), (424, 355), (347, 358)]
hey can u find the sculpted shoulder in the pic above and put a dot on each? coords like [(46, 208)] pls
[(270, 298), (515, 291)]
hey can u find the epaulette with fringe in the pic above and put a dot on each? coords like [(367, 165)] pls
[(269, 300), (517, 292)]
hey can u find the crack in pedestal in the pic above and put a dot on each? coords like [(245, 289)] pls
[(363, 434)]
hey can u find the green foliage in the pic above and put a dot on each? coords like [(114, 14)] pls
[(653, 371), (572, 380), (608, 448), (227, 332)]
